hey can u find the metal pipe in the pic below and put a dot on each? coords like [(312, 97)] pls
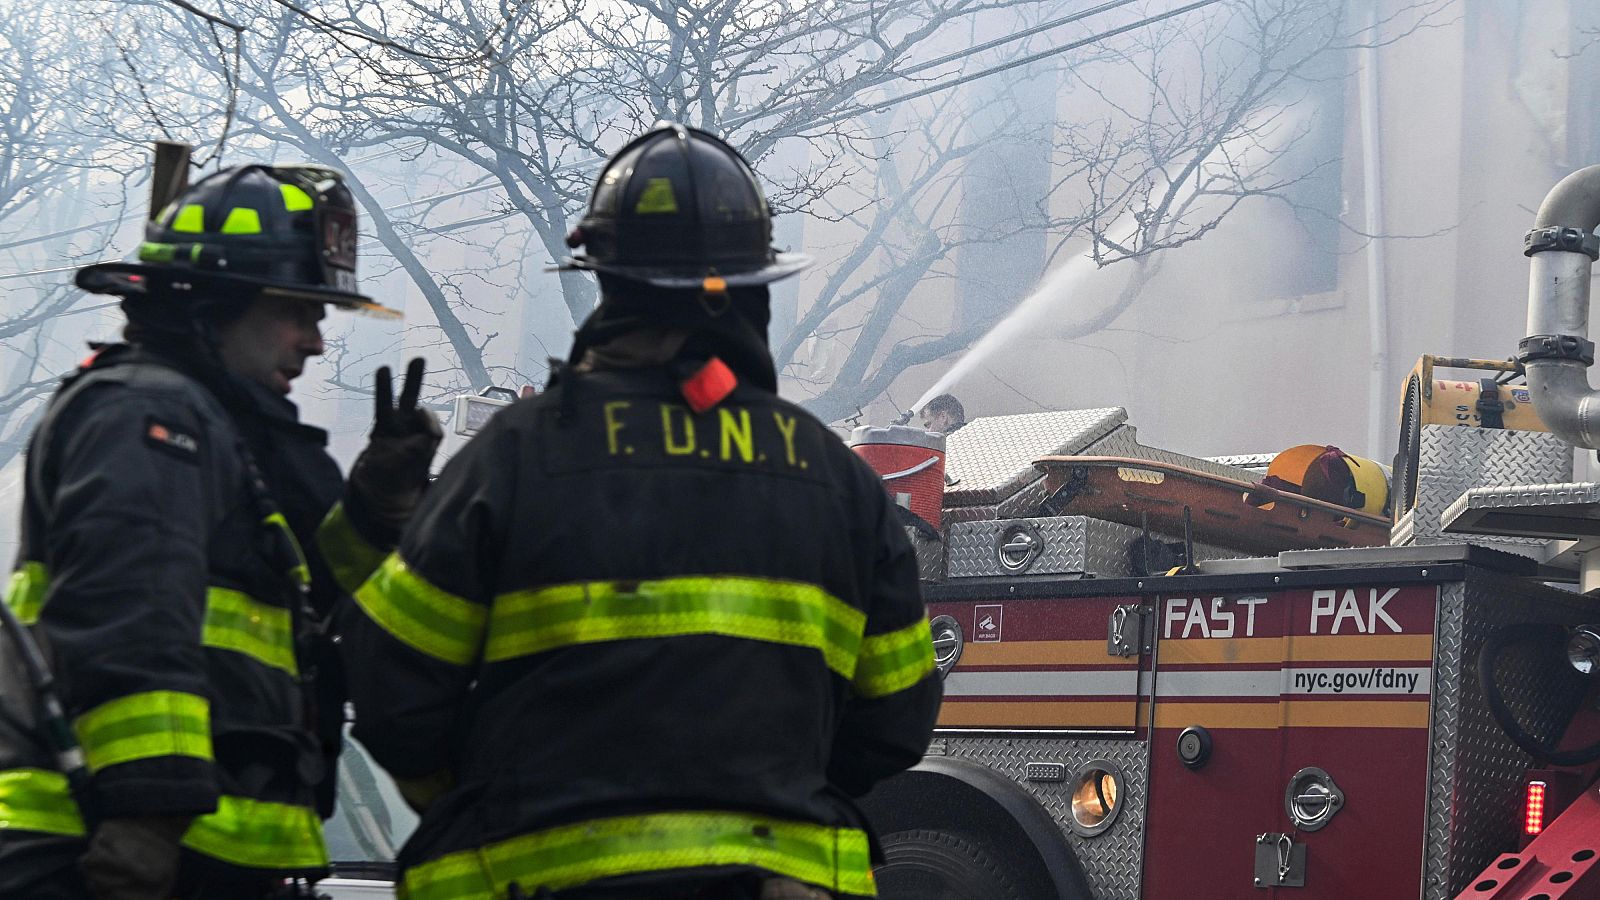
[(1556, 353), (1377, 269)]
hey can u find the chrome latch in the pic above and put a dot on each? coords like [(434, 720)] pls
[(948, 642), (1280, 862), (1312, 799), (1017, 548), (1125, 632)]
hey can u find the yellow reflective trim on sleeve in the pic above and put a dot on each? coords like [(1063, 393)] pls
[(349, 555), (657, 197), (38, 800), (25, 593), (295, 199), (242, 220), (782, 612), (894, 661), (236, 621), (192, 218), (259, 834), (836, 859), (430, 620), (145, 725)]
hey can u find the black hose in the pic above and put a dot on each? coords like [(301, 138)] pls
[(1488, 659)]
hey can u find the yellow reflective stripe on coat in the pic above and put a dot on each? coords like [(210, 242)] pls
[(782, 612), (25, 593), (301, 571), (894, 661), (558, 858), (140, 726), (433, 621), (237, 622), (260, 834), (349, 555), (38, 800)]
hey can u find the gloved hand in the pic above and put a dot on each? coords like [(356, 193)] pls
[(391, 473), (134, 858)]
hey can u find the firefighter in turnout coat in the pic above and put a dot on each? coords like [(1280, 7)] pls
[(652, 630), (170, 566)]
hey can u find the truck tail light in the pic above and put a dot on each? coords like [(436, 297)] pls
[(1533, 808)]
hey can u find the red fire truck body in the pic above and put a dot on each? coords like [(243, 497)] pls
[(1306, 725)]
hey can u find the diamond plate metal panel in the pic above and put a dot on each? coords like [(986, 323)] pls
[(1254, 461), (997, 479), (992, 457), (1112, 859), (1452, 461), (1569, 493), (1475, 771), (1070, 545), (952, 515), (1024, 503), (930, 555), (1125, 442), (1404, 532)]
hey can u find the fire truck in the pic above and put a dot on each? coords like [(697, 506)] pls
[(1293, 675), (1175, 678)]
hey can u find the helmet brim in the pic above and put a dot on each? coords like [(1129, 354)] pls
[(782, 266), (123, 279)]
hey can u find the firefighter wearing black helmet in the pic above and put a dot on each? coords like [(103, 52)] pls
[(170, 562), (651, 631)]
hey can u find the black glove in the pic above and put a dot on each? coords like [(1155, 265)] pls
[(134, 858), (390, 474)]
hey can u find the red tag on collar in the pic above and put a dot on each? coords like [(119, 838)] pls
[(708, 386)]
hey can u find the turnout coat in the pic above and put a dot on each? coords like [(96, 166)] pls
[(160, 584), (640, 640)]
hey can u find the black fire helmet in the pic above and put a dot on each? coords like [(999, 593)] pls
[(285, 230), (678, 206)]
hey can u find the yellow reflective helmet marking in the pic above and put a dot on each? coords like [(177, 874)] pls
[(294, 199), (657, 197), (242, 220), (191, 218)]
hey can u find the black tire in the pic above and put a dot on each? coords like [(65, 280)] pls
[(923, 864)]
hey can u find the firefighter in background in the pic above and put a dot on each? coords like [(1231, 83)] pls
[(943, 414), (169, 565), (651, 630)]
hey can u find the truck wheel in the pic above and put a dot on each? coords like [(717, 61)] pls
[(935, 865)]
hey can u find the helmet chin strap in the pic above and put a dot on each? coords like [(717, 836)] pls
[(188, 329)]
